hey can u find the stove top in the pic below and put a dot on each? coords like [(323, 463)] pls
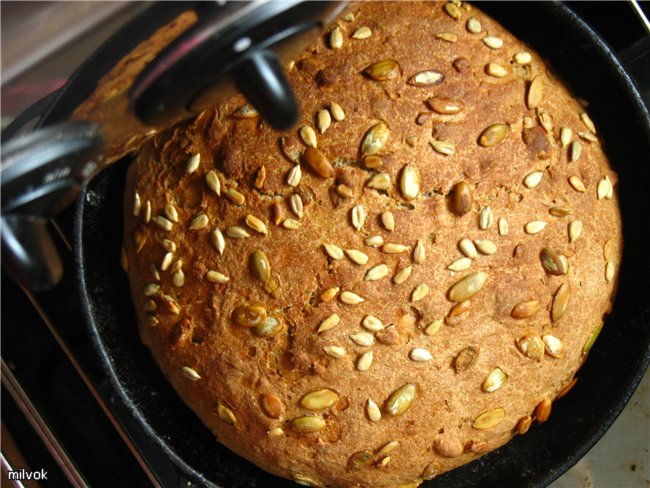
[(61, 418)]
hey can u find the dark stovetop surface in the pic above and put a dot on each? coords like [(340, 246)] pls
[(36, 331)]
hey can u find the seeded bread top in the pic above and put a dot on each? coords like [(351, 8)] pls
[(399, 285)]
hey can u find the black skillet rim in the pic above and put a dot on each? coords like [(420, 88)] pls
[(552, 471)]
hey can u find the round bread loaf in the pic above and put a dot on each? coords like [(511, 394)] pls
[(399, 285)]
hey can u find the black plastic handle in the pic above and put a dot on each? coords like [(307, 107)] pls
[(231, 42), (274, 98)]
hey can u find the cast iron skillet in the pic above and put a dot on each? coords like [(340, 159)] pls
[(617, 361)]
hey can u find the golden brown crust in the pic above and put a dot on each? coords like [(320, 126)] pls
[(450, 381)]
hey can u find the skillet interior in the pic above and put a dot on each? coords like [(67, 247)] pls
[(606, 382)]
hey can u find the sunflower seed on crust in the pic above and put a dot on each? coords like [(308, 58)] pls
[(323, 120), (503, 227), (294, 176), (171, 213), (402, 275), (587, 136), (603, 189), (256, 224), (357, 257), (493, 42), (419, 292), (137, 204), (575, 230), (419, 253), (290, 224), (336, 38), (577, 184), (147, 212), (372, 323), (334, 351), (468, 248), (362, 33), (296, 205), (453, 11), (565, 136), (588, 122), (163, 223), (358, 216), (392, 248), (485, 246), (535, 92), (522, 58), (193, 163), (237, 232), (333, 251), (337, 112), (496, 70), (380, 181), (374, 241), (328, 323), (485, 218), (575, 151), (372, 410), (216, 277), (350, 298), (308, 136), (533, 179), (473, 25), (330, 293), (234, 196), (388, 220), (365, 361), (460, 264), (217, 240), (376, 272), (420, 355), (432, 328), (213, 182), (190, 373), (199, 222), (534, 227), (364, 339), (409, 182)]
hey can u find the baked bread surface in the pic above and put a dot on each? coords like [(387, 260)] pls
[(255, 263)]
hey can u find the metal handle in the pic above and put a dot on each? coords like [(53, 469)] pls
[(41, 174)]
